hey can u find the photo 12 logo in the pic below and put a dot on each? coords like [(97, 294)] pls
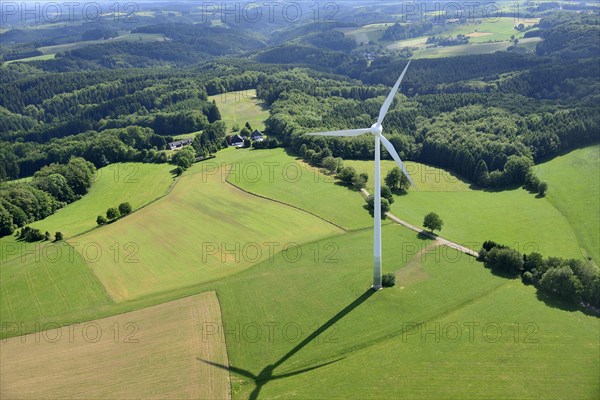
[(270, 12), (68, 11)]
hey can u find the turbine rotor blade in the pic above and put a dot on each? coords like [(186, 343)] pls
[(388, 102), (348, 132), (390, 148)]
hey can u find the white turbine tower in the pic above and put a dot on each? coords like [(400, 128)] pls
[(376, 129)]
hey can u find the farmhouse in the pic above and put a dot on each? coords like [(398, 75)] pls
[(256, 136), (178, 144), (237, 141)]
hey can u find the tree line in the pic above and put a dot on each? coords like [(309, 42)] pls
[(51, 188), (571, 280)]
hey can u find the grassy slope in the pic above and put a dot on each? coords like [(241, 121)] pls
[(514, 217), (150, 353), (204, 230), (43, 281), (241, 107), (365, 333), (275, 174), (574, 188)]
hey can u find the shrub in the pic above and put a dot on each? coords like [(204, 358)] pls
[(58, 236), (542, 188), (101, 220), (388, 280)]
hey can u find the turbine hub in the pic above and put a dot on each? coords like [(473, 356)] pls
[(376, 128)]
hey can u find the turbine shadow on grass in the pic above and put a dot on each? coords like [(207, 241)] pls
[(267, 375)]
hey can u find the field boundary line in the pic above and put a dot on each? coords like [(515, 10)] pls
[(285, 204), (224, 339)]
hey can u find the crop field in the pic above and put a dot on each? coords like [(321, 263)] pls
[(564, 175), (150, 353), (199, 227), (474, 48), (237, 108), (484, 37)]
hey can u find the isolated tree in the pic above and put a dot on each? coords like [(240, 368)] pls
[(47, 235), (125, 208), (432, 221), (396, 180), (542, 188), (385, 206), (386, 193), (112, 213), (58, 236), (101, 220), (248, 126)]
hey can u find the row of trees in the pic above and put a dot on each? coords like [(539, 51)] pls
[(574, 281), (114, 213), (51, 188)]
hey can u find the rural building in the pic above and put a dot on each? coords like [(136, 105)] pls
[(178, 144), (256, 136), (237, 141)]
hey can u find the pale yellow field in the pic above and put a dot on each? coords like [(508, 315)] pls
[(151, 353)]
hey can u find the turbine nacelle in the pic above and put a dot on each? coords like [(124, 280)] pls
[(376, 128)]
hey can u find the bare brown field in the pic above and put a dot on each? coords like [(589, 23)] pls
[(146, 354), (479, 34)]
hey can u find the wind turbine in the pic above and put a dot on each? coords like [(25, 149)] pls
[(376, 129)]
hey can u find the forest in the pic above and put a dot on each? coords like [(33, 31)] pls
[(486, 117)]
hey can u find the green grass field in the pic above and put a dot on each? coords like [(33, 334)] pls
[(237, 108), (327, 329), (275, 174), (204, 230), (42, 281), (514, 217), (577, 172), (135, 183), (302, 322)]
